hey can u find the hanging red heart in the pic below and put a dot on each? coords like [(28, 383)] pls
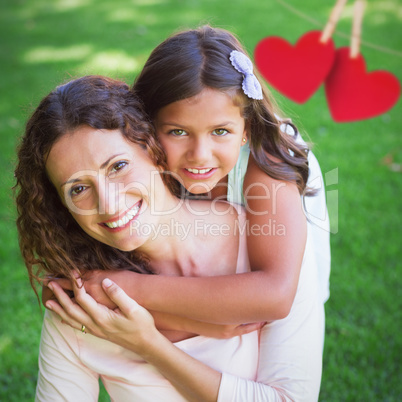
[(295, 71), (353, 94)]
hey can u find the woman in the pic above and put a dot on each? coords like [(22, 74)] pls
[(85, 169)]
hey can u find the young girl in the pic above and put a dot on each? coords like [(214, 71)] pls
[(88, 181), (220, 131)]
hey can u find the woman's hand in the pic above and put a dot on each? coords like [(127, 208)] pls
[(128, 325), (93, 285)]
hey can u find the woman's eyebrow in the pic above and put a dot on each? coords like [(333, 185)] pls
[(69, 181), (103, 166)]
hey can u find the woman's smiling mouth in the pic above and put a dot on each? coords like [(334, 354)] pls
[(125, 219)]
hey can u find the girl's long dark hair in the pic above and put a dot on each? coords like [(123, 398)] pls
[(190, 61)]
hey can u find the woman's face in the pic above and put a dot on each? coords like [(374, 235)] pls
[(109, 185), (202, 137)]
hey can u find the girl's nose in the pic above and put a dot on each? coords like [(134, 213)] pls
[(200, 151)]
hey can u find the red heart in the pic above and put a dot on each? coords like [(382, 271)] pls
[(295, 71), (353, 94)]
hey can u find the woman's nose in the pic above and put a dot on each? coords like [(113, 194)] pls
[(108, 197)]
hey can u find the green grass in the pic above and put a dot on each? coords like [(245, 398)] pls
[(45, 42)]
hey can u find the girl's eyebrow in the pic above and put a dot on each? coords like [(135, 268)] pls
[(104, 164), (169, 123), (226, 123)]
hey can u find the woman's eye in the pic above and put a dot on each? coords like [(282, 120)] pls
[(77, 190), (220, 132), (118, 166), (178, 133)]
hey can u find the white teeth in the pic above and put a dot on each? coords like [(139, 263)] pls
[(199, 171), (125, 219), (132, 212)]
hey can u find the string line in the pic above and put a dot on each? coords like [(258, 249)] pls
[(340, 34)]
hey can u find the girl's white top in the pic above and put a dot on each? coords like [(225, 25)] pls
[(315, 208)]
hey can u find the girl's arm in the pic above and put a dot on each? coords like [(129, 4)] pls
[(175, 327), (276, 237), (132, 327)]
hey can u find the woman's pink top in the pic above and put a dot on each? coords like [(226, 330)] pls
[(285, 366)]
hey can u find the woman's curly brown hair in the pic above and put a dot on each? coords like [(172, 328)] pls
[(51, 241)]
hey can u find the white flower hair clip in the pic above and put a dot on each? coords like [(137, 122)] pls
[(251, 86)]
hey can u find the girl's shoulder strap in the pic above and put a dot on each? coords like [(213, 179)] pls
[(236, 177)]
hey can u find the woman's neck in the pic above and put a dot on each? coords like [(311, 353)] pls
[(188, 236), (171, 243)]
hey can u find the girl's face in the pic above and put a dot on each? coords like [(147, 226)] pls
[(202, 137), (108, 184)]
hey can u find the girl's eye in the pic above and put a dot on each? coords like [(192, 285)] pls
[(220, 132), (118, 166), (77, 190), (178, 133)]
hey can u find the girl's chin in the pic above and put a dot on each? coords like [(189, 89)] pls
[(198, 189)]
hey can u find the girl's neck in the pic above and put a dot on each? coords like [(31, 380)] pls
[(220, 191)]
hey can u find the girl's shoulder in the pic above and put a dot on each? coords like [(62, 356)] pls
[(263, 193), (254, 173)]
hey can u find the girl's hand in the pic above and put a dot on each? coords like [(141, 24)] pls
[(47, 294), (93, 285), (129, 325), (127, 280), (168, 321), (228, 331)]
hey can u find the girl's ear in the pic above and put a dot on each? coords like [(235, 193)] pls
[(245, 133)]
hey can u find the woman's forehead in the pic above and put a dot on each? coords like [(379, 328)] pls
[(84, 149)]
